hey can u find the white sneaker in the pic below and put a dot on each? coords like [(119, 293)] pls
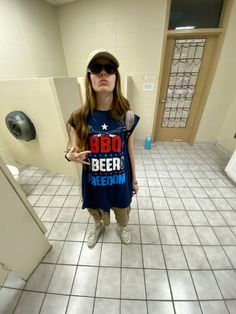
[(94, 234), (125, 235)]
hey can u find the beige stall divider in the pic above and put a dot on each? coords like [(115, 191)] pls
[(22, 240), (48, 102)]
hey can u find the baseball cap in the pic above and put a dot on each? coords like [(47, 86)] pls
[(102, 53)]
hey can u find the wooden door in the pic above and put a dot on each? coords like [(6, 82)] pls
[(187, 63)]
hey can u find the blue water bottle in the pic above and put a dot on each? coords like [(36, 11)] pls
[(148, 142)]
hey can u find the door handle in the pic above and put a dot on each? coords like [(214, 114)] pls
[(162, 100)]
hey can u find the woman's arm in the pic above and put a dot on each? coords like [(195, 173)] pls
[(132, 159)]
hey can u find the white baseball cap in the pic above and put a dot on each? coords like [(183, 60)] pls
[(102, 53)]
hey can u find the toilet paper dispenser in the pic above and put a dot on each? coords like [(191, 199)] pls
[(20, 126)]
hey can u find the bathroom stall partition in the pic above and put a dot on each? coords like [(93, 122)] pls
[(48, 102), (22, 240)]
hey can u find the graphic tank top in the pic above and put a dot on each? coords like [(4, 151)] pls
[(107, 181)]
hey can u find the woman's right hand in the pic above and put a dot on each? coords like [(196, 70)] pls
[(75, 155)]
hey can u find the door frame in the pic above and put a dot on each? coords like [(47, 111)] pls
[(219, 34)]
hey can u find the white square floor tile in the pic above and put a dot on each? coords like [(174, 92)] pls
[(132, 307), (76, 232), (157, 285), (144, 203), (106, 305), (14, 281), (163, 217), (181, 217), (160, 307), (175, 203), (227, 282), (174, 257), (54, 304), (90, 257), (149, 234), (217, 257), (132, 284), (187, 307), (51, 214), (66, 214), (187, 235), (85, 281), (53, 254), (59, 231), (80, 304), (8, 300), (146, 216), (30, 302), (111, 255), (214, 307), (206, 236), (196, 257), (57, 201), (153, 257), (168, 235), (62, 274), (231, 253), (108, 285), (70, 253), (190, 204), (231, 304), (206, 285), (160, 202), (198, 218), (178, 280), (40, 278), (225, 235), (132, 256), (135, 234)]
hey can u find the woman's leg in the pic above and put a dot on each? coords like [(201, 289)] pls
[(97, 228), (122, 218)]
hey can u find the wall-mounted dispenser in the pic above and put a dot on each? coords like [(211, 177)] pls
[(20, 126)]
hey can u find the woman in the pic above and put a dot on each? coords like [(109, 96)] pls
[(104, 146)]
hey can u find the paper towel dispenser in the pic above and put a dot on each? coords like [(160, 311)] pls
[(20, 126)]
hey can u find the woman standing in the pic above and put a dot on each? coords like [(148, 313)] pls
[(103, 144)]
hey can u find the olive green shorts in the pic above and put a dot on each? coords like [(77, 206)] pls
[(121, 214)]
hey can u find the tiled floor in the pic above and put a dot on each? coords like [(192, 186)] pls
[(182, 258)]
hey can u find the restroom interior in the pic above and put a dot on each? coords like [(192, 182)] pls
[(186, 203)]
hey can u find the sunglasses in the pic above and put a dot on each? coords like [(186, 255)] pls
[(96, 68)]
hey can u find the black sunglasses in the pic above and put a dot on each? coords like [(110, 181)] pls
[(96, 68)]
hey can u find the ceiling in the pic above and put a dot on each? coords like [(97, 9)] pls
[(59, 2)]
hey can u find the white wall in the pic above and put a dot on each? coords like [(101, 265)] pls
[(221, 101), (132, 30), (30, 43)]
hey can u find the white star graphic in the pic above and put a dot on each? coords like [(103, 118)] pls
[(104, 126)]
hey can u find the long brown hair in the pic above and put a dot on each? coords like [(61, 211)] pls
[(79, 117)]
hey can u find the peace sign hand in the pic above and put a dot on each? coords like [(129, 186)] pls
[(75, 155)]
